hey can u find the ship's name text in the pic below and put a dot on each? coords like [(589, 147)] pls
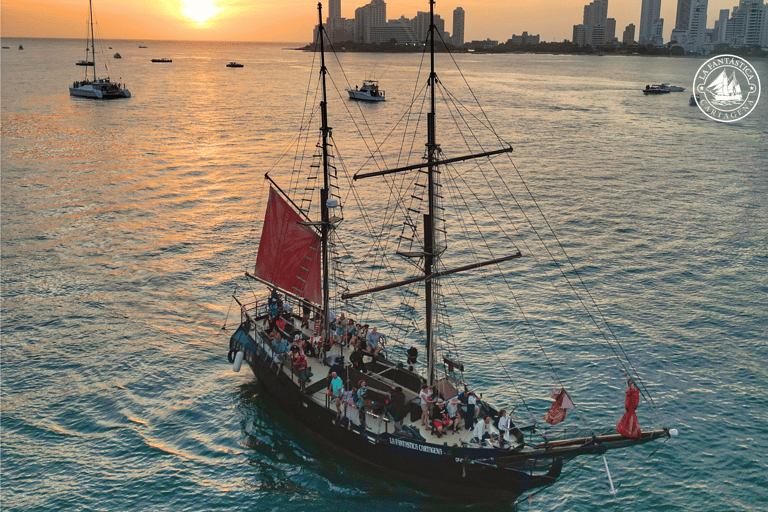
[(416, 446)]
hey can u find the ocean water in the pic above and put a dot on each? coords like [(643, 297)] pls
[(127, 224)]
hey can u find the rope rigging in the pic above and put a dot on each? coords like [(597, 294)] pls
[(405, 194)]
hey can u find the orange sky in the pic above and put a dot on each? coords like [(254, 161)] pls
[(292, 20)]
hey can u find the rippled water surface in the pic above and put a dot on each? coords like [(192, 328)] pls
[(127, 224)]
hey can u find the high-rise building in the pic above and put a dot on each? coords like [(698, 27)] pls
[(720, 26), (748, 25), (651, 24), (458, 27), (610, 30), (579, 35), (595, 16), (334, 22), (683, 14), (334, 8), (697, 26), (628, 37), (371, 15)]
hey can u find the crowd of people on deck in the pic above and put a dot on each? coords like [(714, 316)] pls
[(439, 416), (364, 340)]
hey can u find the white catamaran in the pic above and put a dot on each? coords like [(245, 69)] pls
[(95, 88), (402, 403)]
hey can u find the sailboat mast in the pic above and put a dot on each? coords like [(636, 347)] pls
[(325, 217), (429, 228), (93, 48)]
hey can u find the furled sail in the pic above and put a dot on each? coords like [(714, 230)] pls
[(289, 256)]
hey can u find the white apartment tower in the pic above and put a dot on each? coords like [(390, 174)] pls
[(458, 27), (368, 16), (697, 26), (595, 16), (651, 24), (748, 25)]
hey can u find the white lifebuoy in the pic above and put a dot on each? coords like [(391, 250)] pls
[(238, 361)]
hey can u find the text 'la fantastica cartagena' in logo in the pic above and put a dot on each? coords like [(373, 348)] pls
[(726, 88)]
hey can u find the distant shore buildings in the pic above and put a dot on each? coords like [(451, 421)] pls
[(525, 38), (746, 25), (370, 25)]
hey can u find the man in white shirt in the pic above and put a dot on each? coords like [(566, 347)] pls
[(504, 426), (483, 432)]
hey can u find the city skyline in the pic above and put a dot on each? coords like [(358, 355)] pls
[(235, 20)]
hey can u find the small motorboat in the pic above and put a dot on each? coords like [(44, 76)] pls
[(656, 89), (234, 65), (6, 47), (368, 92), (162, 60), (673, 88), (21, 47), (694, 100), (142, 46), (117, 56), (84, 63)]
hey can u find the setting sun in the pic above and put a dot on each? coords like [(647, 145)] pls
[(200, 10)]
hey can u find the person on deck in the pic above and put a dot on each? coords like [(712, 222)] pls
[(468, 410), (628, 426), (412, 353), (335, 391), (452, 408), (301, 368), (338, 366), (483, 433), (504, 427), (356, 359), (397, 408), (440, 420), (425, 400), (375, 342), (282, 346), (362, 390), (348, 401)]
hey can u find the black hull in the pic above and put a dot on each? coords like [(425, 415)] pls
[(448, 474)]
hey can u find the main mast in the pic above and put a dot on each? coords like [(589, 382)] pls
[(93, 46), (429, 218), (324, 214)]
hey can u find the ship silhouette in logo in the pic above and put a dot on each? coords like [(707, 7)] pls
[(725, 90)]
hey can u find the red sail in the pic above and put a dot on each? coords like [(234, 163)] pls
[(289, 253)]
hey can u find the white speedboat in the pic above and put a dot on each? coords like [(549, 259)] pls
[(369, 91), (95, 88), (673, 88)]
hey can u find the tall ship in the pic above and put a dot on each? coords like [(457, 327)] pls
[(367, 362), (94, 87)]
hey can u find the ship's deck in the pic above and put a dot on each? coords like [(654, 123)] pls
[(380, 380)]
